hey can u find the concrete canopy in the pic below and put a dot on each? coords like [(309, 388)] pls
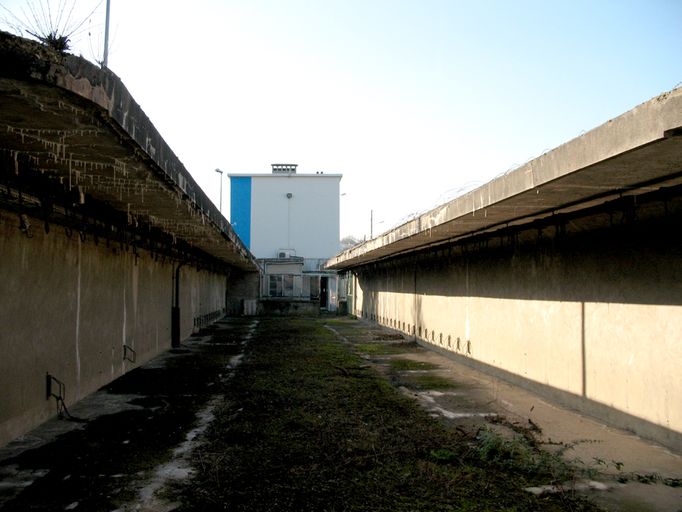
[(638, 152), (67, 122)]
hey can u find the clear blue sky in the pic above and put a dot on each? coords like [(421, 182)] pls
[(412, 101)]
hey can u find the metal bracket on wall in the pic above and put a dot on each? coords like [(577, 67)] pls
[(55, 388), (129, 354), (50, 383)]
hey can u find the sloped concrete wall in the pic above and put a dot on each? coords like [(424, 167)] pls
[(68, 306), (591, 319)]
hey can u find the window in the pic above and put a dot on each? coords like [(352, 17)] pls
[(284, 285), (275, 286)]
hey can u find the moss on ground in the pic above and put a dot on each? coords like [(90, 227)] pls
[(306, 426), (385, 349), (401, 365), (424, 382)]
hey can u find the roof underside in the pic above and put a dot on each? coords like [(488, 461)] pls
[(636, 153), (65, 119)]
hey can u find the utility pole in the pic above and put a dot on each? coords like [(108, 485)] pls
[(371, 224), (221, 189), (105, 58)]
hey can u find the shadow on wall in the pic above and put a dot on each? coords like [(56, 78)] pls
[(242, 288), (621, 261)]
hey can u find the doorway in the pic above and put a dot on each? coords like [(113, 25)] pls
[(324, 283)]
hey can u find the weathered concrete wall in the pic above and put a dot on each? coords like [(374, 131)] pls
[(68, 306), (587, 317)]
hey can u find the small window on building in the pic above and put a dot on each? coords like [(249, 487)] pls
[(275, 286)]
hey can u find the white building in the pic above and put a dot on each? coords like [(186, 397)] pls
[(290, 222)]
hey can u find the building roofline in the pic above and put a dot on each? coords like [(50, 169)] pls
[(282, 175)]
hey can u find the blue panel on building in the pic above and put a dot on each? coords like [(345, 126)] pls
[(240, 207)]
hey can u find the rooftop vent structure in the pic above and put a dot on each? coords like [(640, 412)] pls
[(284, 168)]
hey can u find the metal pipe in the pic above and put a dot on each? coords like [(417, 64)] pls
[(221, 189), (105, 58), (175, 310)]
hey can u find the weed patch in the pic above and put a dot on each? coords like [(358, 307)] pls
[(521, 454)]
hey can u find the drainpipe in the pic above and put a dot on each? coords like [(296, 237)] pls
[(175, 310), (263, 281)]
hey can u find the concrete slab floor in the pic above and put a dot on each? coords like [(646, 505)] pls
[(477, 398), (131, 438)]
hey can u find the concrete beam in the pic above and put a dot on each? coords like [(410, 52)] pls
[(67, 119), (639, 151)]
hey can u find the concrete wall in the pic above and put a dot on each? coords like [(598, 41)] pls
[(589, 317), (68, 306)]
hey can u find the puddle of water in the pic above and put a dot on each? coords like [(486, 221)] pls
[(204, 417), (459, 415), (251, 330), (14, 480), (586, 485), (234, 362), (178, 468)]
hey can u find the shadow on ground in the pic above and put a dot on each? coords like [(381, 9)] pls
[(121, 434)]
